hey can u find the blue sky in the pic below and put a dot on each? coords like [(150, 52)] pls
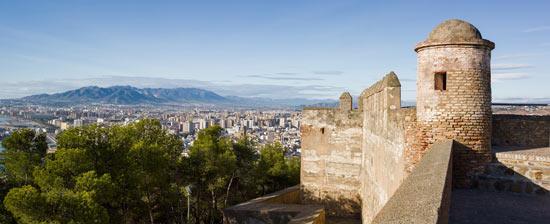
[(313, 49)]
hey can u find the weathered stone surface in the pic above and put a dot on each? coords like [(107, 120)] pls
[(383, 144), (331, 159), (455, 32), (280, 207), (521, 130), (425, 195), (346, 102)]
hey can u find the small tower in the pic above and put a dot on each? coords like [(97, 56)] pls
[(453, 98), (346, 102)]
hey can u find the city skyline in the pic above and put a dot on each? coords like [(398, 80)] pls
[(309, 49)]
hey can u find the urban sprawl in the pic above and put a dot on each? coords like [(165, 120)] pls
[(260, 126)]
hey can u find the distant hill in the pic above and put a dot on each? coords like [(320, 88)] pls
[(127, 95)]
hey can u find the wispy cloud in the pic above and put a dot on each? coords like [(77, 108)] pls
[(328, 72), (518, 55), (286, 73), (509, 66), (499, 77), (537, 29), (275, 77)]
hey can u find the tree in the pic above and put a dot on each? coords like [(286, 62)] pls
[(24, 150), (274, 171), (224, 173), (119, 174), (137, 173), (209, 167)]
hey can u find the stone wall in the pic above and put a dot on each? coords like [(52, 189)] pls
[(425, 195), (463, 110), (521, 130), (331, 159), (383, 144)]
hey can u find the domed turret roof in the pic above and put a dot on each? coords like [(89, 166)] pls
[(455, 31)]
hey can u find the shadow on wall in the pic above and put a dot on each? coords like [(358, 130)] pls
[(501, 195), (466, 165), (499, 177), (338, 206)]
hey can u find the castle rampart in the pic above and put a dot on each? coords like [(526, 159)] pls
[(331, 159), (390, 164), (383, 143)]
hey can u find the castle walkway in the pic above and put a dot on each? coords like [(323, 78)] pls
[(485, 207)]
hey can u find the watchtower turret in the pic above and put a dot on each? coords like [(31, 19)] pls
[(454, 93)]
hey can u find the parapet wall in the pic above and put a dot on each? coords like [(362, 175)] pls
[(383, 144), (331, 159), (425, 195), (521, 130)]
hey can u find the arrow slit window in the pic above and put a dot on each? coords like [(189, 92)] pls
[(440, 81)]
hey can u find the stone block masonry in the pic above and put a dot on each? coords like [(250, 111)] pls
[(331, 159), (425, 195), (383, 144)]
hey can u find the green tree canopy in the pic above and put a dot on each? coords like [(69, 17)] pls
[(137, 173)]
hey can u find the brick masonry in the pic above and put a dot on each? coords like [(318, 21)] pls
[(521, 130), (462, 111)]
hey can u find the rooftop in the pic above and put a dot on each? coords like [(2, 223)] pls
[(455, 32)]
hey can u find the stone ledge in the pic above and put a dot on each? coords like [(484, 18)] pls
[(424, 196), (279, 207), (536, 154), (521, 117)]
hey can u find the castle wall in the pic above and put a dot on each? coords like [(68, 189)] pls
[(383, 145), (521, 130), (462, 111), (331, 159)]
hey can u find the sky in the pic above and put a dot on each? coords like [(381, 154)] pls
[(277, 49)]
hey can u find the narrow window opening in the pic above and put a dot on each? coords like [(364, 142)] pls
[(440, 81), (322, 130)]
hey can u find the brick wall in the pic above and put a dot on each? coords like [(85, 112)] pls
[(462, 111), (521, 130)]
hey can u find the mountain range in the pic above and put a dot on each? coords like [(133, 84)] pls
[(129, 95)]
